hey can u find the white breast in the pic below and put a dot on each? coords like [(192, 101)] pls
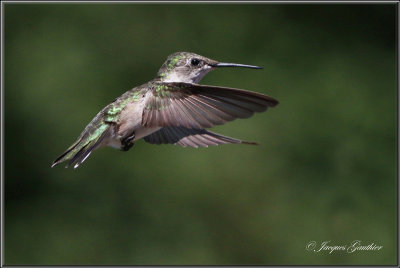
[(131, 121)]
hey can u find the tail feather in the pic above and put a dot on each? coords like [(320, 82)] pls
[(78, 152)]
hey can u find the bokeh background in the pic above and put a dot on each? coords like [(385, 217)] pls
[(325, 169)]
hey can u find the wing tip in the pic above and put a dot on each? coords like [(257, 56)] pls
[(274, 102), (249, 142)]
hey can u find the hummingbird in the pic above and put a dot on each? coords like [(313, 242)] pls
[(170, 109)]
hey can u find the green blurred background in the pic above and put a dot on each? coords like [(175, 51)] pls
[(325, 169)]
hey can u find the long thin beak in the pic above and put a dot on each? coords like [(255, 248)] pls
[(225, 64)]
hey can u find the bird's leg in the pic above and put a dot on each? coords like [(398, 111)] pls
[(127, 142)]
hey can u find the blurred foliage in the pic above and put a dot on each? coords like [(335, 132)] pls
[(325, 169)]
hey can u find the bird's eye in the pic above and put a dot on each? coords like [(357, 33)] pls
[(195, 62)]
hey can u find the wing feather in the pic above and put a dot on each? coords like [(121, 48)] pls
[(199, 106), (189, 137)]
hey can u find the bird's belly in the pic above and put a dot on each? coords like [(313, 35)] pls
[(131, 122), (140, 133)]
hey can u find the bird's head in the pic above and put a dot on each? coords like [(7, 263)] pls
[(191, 68)]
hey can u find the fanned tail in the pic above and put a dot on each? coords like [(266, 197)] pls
[(83, 147)]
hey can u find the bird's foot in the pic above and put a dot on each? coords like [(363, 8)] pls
[(127, 143)]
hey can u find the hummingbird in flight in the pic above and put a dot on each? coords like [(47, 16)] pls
[(170, 109)]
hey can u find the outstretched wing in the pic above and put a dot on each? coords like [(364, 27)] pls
[(190, 137), (199, 106)]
